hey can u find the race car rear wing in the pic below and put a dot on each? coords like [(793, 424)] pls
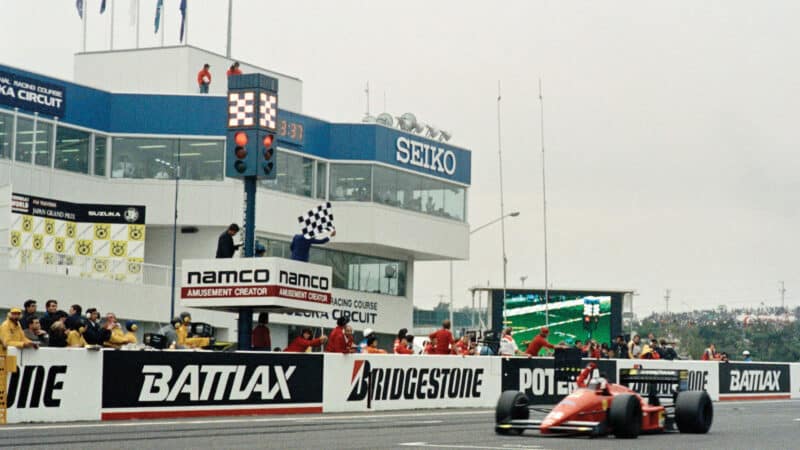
[(678, 377)]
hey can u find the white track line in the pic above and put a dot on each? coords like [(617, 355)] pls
[(479, 447), (138, 423)]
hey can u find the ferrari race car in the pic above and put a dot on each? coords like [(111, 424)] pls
[(600, 408)]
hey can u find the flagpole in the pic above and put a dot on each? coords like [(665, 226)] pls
[(84, 26), (162, 23), (137, 22), (230, 27), (112, 24)]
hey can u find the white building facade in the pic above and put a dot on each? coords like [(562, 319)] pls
[(398, 197)]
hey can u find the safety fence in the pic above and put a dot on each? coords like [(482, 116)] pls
[(52, 385)]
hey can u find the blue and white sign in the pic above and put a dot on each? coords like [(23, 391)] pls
[(32, 95), (425, 155)]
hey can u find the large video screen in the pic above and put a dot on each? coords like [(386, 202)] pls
[(526, 314)]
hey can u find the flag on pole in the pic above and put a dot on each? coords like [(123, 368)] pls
[(79, 6), (102, 6), (134, 12), (183, 17), (159, 7), (317, 221)]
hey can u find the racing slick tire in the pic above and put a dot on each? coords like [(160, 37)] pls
[(512, 405), (625, 416), (694, 412)]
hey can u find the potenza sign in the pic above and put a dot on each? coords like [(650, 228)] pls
[(425, 155), (156, 384), (253, 282), (32, 95)]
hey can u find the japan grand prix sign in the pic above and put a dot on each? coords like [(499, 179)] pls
[(254, 282)]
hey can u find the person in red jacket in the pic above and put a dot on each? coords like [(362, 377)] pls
[(399, 339), (444, 339), (337, 342), (464, 346), (538, 342), (234, 69), (405, 345), (260, 339), (303, 342), (204, 78)]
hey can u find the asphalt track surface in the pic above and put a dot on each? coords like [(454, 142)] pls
[(737, 425)]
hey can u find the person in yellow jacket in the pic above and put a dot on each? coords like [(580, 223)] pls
[(117, 336), (11, 333), (183, 334), (75, 333), (130, 336)]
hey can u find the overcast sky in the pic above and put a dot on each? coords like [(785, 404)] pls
[(670, 127)]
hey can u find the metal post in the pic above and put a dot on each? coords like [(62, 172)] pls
[(83, 19), (230, 28), (245, 321), (111, 34), (502, 204), (544, 215), (175, 236), (452, 324)]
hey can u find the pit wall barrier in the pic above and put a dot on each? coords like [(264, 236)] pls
[(56, 385)]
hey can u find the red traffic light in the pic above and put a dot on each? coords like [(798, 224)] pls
[(240, 138), (268, 141)]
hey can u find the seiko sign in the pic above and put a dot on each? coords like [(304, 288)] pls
[(425, 155)]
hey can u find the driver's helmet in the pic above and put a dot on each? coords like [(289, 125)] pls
[(597, 384)]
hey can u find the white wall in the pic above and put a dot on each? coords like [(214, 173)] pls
[(171, 70), (361, 227)]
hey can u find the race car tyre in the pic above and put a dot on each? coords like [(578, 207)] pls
[(512, 405), (625, 416), (694, 412)]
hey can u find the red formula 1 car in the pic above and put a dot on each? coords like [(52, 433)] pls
[(599, 408)]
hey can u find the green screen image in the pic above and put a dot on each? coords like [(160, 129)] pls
[(526, 315)]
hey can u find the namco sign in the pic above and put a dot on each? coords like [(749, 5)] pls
[(426, 156)]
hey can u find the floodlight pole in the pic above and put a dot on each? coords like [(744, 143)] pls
[(502, 204), (544, 215)]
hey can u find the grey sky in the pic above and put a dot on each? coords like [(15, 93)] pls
[(670, 126)]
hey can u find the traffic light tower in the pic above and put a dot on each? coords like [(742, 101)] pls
[(252, 118)]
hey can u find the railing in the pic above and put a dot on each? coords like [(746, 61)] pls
[(14, 259)]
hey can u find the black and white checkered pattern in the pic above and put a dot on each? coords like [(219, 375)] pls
[(268, 110), (317, 221), (241, 109)]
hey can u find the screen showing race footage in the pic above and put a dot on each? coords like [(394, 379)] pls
[(571, 318)]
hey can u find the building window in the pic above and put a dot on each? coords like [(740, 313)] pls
[(201, 160), (322, 179), (350, 270), (294, 174), (351, 182), (143, 158), (44, 143), (72, 150), (100, 148), (24, 139), (6, 134), (417, 193)]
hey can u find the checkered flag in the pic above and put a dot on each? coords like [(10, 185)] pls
[(317, 221)]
